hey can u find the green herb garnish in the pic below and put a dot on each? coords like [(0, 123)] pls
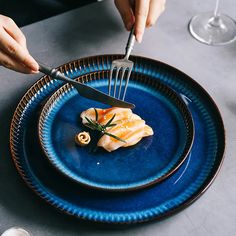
[(95, 125)]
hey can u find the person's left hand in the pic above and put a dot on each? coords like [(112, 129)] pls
[(143, 13)]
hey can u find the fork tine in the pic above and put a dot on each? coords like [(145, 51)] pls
[(110, 78), (126, 83), (117, 73), (121, 80), (123, 64)]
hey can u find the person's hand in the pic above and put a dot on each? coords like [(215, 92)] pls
[(143, 13), (13, 51)]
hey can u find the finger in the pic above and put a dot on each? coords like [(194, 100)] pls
[(126, 12), (8, 62), (141, 13), (156, 7), (16, 51), (12, 29)]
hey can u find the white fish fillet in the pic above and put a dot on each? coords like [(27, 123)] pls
[(129, 127)]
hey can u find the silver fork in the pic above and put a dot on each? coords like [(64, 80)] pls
[(85, 90), (124, 66)]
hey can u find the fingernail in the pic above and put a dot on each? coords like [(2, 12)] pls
[(139, 37), (34, 66), (34, 71)]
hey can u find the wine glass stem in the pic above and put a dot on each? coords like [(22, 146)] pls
[(215, 21), (216, 11)]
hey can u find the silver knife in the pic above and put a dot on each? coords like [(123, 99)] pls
[(85, 90)]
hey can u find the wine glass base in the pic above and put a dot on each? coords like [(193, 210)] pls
[(206, 29)]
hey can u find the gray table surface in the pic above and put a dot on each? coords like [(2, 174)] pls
[(97, 29)]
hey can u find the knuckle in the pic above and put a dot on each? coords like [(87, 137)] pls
[(2, 18), (6, 64), (24, 60), (11, 49), (150, 22), (8, 20), (142, 14)]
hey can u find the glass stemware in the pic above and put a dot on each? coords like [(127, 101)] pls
[(213, 28)]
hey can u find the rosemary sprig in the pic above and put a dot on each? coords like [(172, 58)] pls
[(113, 136), (109, 122), (95, 125)]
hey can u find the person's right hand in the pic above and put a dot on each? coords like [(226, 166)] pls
[(142, 13), (14, 54)]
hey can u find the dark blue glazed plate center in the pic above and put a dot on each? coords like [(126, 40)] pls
[(151, 160)]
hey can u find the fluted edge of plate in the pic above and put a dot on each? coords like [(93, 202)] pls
[(153, 214)]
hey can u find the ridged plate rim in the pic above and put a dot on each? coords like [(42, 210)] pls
[(120, 219)]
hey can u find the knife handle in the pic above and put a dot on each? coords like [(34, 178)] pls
[(53, 72)]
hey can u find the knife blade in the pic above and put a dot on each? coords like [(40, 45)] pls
[(85, 90)]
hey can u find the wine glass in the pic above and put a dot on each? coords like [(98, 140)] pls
[(213, 28)]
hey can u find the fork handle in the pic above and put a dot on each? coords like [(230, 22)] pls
[(130, 43)]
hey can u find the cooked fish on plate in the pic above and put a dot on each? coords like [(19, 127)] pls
[(125, 129)]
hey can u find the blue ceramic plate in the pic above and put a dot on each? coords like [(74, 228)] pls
[(151, 160), (159, 200)]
